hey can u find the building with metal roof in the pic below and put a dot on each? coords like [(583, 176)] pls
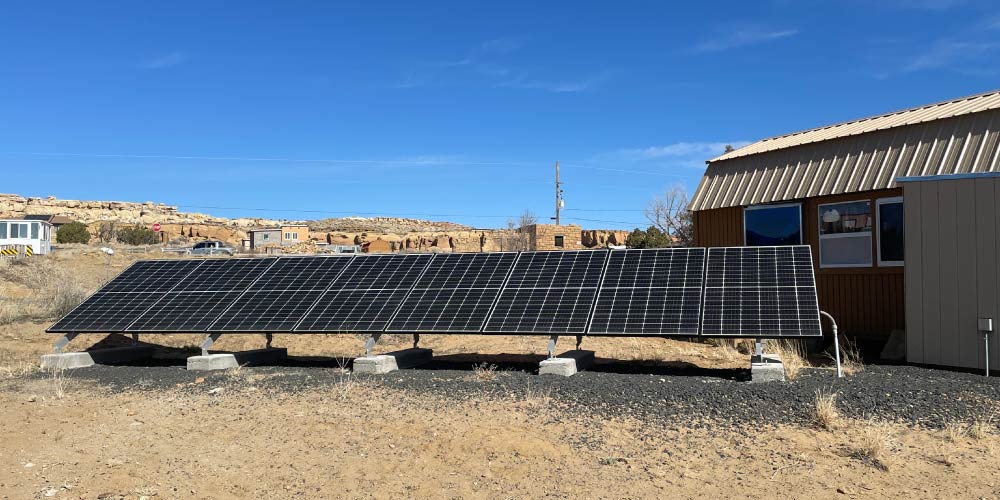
[(837, 189)]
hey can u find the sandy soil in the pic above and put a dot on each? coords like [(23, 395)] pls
[(66, 438), (358, 440)]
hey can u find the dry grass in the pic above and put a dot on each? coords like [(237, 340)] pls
[(982, 427), (14, 366), (826, 415), (793, 356), (850, 357), (874, 444), (484, 372), (59, 383), (733, 348), (954, 431)]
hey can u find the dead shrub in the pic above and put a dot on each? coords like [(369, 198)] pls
[(732, 348), (954, 431), (874, 444), (850, 357), (65, 298), (826, 415), (981, 427)]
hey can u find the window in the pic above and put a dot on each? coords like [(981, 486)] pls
[(265, 237), (3, 230), (890, 232), (560, 241), (768, 225), (34, 230), (845, 234), (15, 231)]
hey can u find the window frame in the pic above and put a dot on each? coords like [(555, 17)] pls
[(775, 205), (860, 234), (559, 241), (878, 227)]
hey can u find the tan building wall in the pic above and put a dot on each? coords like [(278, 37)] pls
[(294, 233), (952, 273), (547, 237)]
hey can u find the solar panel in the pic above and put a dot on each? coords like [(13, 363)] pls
[(197, 300), (650, 292), (761, 292), (281, 296), (364, 297), (454, 294), (106, 312), (548, 292), (151, 276)]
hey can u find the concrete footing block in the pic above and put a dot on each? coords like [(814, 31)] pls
[(112, 355), (567, 363), (242, 358), (399, 360), (766, 368)]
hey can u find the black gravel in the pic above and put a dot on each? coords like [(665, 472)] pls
[(674, 394)]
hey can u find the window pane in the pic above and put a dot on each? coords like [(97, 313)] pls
[(840, 218), (846, 251), (34, 230), (773, 226), (890, 232), (14, 230), (3, 230)]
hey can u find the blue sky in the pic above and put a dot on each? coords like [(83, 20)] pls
[(449, 110)]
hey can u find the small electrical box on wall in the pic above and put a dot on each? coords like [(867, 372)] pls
[(986, 325)]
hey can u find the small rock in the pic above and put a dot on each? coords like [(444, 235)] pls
[(51, 492), (29, 465), (130, 413), (217, 390), (199, 380), (32, 398)]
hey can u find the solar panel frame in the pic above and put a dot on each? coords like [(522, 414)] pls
[(455, 294), (650, 292), (759, 304), (546, 298)]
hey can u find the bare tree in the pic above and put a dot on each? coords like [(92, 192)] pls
[(512, 238), (527, 218), (107, 231), (669, 214)]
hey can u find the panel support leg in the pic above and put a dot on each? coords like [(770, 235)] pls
[(370, 343), (579, 341), (64, 341), (552, 346), (758, 348), (270, 338), (135, 339), (209, 342), (416, 340)]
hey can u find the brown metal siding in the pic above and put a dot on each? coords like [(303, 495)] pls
[(865, 301), (868, 162)]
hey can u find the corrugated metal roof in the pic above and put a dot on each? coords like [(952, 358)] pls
[(947, 109), (966, 143)]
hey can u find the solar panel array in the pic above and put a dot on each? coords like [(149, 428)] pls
[(746, 291)]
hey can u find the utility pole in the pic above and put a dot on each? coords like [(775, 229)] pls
[(558, 194)]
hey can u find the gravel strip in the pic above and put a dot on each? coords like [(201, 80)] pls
[(681, 397)]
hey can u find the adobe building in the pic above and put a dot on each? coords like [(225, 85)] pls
[(554, 237)]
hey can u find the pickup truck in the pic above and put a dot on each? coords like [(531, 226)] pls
[(210, 248)]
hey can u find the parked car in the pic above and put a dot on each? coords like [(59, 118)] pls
[(211, 248)]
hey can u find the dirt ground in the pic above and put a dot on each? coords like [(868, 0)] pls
[(64, 437)]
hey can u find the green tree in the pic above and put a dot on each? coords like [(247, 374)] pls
[(138, 235), (74, 232), (650, 238)]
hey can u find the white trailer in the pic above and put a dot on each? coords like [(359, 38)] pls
[(25, 237)]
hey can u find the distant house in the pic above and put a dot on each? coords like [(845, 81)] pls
[(56, 221), (286, 234), (25, 237)]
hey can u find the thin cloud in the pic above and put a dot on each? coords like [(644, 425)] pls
[(950, 54), (678, 154), (488, 64), (741, 37), (172, 59)]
